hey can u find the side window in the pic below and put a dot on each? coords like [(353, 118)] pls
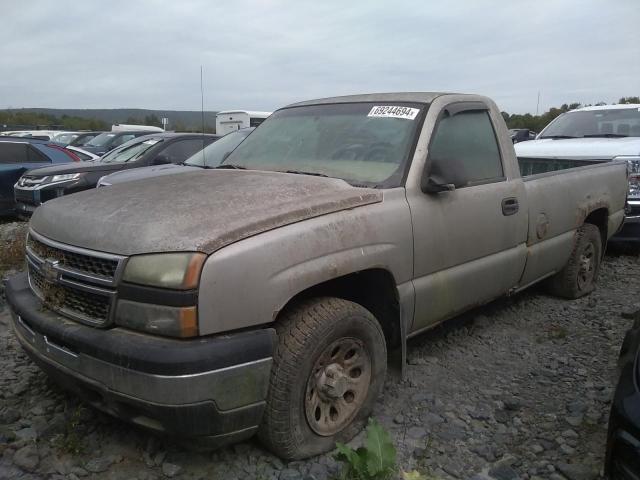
[(464, 150), (180, 150), (36, 156), (13, 153)]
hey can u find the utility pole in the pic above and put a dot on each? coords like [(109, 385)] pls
[(538, 104)]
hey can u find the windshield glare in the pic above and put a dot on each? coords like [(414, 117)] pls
[(213, 154), (129, 153), (362, 143), (622, 122), (101, 140)]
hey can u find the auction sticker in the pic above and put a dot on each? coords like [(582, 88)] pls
[(394, 111)]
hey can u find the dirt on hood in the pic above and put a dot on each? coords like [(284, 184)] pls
[(194, 211)]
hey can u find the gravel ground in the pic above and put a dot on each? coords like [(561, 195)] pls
[(520, 388)]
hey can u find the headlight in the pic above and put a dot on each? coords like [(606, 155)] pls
[(166, 270), (158, 319), (102, 182), (634, 177), (65, 176)]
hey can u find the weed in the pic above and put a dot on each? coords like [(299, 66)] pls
[(12, 252), (70, 441), (375, 461)]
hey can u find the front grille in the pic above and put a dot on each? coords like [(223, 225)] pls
[(76, 303), (75, 282), (102, 267), (25, 196)]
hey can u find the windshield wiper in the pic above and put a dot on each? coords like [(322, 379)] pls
[(229, 166), (301, 172), (185, 164), (558, 137), (605, 135)]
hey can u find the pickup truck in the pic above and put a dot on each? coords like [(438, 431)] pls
[(268, 295), (594, 134)]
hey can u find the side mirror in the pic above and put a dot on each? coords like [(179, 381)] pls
[(434, 184), (434, 179), (161, 160)]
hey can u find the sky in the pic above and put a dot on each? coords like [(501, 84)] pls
[(261, 55)]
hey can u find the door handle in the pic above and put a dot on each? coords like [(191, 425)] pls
[(510, 206)]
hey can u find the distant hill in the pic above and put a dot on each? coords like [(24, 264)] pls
[(182, 120)]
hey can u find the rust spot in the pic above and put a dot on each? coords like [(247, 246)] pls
[(542, 226)]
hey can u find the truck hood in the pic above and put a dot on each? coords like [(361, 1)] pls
[(77, 167), (579, 148), (195, 211), (146, 172)]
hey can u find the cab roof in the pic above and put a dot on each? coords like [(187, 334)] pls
[(419, 97)]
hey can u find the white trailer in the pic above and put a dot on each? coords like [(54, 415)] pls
[(232, 120), (122, 127)]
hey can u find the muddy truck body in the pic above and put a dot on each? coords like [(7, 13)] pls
[(269, 295)]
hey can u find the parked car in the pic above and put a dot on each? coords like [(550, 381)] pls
[(82, 154), (83, 138), (18, 155), (210, 157), (521, 135), (42, 184), (107, 141), (74, 138), (608, 132), (264, 295), (35, 134), (623, 440)]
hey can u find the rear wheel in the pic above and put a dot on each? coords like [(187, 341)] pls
[(328, 370), (578, 277)]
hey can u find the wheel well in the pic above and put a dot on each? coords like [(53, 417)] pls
[(600, 218), (374, 289)]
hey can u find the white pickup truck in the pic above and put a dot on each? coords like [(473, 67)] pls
[(588, 135)]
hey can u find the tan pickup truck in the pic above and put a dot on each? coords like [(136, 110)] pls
[(266, 295)]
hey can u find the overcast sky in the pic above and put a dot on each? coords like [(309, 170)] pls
[(261, 55)]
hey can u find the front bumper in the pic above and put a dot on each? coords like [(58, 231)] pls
[(213, 387), (630, 231)]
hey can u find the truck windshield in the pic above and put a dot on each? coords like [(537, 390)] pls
[(129, 153), (363, 143), (614, 122), (213, 154)]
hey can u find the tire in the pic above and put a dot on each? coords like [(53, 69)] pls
[(328, 370), (578, 277)]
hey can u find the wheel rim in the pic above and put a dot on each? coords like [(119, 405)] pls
[(337, 386), (587, 266)]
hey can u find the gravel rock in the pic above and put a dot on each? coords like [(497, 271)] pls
[(574, 471), (98, 465), (27, 458), (170, 469)]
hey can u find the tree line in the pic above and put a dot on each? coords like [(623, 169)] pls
[(538, 122), (14, 120)]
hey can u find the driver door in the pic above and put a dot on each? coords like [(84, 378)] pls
[(469, 240)]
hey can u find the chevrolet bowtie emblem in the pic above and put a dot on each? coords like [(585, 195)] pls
[(49, 269)]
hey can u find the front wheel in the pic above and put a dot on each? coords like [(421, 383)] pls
[(328, 370), (578, 277)]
